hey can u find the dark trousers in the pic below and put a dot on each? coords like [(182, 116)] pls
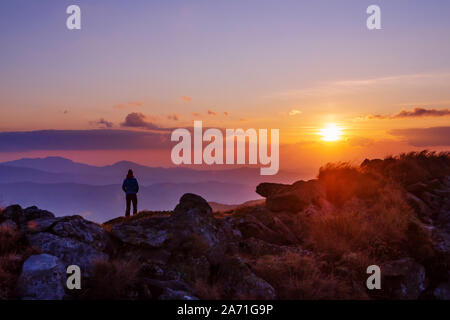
[(131, 198)]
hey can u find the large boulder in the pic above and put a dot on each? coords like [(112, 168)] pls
[(42, 278), (261, 223), (21, 216), (191, 228), (193, 222), (239, 282), (34, 212), (150, 232), (77, 228), (14, 213), (68, 250), (292, 198), (403, 279), (192, 202), (39, 225)]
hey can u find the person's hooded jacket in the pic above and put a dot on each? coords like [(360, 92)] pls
[(130, 186)]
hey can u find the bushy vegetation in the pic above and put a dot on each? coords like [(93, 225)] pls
[(113, 280), (296, 276), (412, 167), (13, 252), (369, 221), (371, 214)]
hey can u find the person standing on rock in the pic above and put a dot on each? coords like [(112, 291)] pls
[(131, 187)]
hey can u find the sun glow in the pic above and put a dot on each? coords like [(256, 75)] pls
[(331, 132)]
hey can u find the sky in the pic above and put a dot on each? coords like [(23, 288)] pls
[(150, 66)]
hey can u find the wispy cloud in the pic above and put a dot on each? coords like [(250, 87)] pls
[(346, 86), (294, 112), (424, 137), (414, 113), (211, 113), (173, 117), (102, 123), (131, 104), (186, 98)]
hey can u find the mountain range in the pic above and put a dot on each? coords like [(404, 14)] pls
[(67, 187)]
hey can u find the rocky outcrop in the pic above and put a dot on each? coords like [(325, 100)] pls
[(403, 279), (68, 250), (42, 278), (192, 220), (192, 253), (239, 282), (291, 198)]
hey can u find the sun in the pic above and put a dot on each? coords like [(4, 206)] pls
[(331, 132)]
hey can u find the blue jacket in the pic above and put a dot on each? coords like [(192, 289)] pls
[(130, 186)]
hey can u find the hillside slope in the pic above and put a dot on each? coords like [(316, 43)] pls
[(310, 240)]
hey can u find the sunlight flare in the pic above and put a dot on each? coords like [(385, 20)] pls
[(331, 132)]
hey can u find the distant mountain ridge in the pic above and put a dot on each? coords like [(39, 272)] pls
[(64, 170), (68, 187)]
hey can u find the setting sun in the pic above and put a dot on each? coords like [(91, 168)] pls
[(331, 133)]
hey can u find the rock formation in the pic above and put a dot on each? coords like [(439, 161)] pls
[(287, 249)]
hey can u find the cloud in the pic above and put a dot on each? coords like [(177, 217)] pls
[(294, 112), (331, 88), (99, 139), (173, 117), (211, 113), (131, 104), (102, 123), (196, 114), (226, 113), (135, 103), (414, 113), (186, 98), (424, 137), (138, 120), (421, 112)]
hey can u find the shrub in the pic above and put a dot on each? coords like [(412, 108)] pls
[(343, 182), (10, 266), (375, 227), (412, 167), (296, 276), (9, 239), (113, 280)]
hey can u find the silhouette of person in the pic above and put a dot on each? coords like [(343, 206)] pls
[(131, 187)]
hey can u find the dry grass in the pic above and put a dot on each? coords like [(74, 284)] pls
[(378, 228), (13, 252), (412, 167), (113, 280), (343, 182), (9, 239), (295, 276)]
